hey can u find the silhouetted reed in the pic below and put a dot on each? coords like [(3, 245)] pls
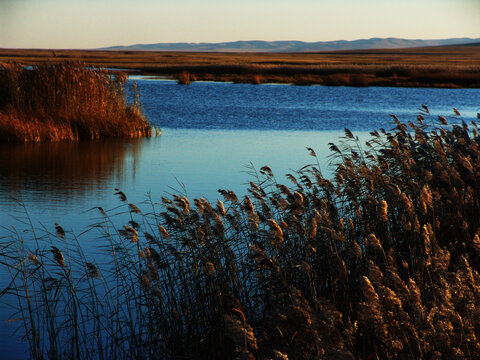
[(379, 262), (66, 101)]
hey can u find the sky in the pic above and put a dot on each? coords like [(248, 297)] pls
[(85, 24)]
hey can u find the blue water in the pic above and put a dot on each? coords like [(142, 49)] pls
[(211, 131), (212, 134), (205, 105)]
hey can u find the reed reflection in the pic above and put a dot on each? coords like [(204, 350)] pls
[(65, 171)]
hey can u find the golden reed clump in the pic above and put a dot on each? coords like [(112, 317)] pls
[(67, 101)]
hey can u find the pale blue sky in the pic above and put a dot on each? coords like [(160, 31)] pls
[(100, 23)]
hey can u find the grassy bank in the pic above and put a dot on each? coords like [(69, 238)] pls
[(380, 262), (66, 101), (444, 66), (329, 75)]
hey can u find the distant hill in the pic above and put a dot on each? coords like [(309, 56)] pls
[(295, 46)]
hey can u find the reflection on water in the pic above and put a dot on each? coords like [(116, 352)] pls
[(59, 182), (63, 171), (55, 181)]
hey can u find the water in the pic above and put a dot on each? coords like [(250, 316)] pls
[(212, 132), (203, 105)]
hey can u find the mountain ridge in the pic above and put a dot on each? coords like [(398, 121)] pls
[(294, 45)]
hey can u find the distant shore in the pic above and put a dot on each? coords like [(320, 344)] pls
[(443, 67)]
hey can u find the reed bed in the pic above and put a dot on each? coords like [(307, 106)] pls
[(327, 74), (66, 101), (443, 66), (379, 262)]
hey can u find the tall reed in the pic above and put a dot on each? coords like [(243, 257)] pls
[(67, 101), (379, 262)]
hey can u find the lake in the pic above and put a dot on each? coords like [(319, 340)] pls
[(213, 133)]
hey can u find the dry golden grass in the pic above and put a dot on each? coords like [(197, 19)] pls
[(184, 78), (66, 101), (448, 66)]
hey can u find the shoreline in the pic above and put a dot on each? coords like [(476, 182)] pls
[(344, 80), (437, 67)]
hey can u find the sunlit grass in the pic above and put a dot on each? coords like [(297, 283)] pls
[(443, 66), (66, 101), (328, 74)]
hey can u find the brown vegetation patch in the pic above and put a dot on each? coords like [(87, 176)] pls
[(66, 102), (399, 67)]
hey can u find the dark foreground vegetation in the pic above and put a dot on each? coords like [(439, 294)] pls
[(442, 66), (66, 101), (382, 262)]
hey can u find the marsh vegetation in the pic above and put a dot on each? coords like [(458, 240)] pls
[(436, 66), (379, 261), (66, 101)]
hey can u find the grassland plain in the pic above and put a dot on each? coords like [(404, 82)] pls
[(379, 262), (66, 101), (446, 66)]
